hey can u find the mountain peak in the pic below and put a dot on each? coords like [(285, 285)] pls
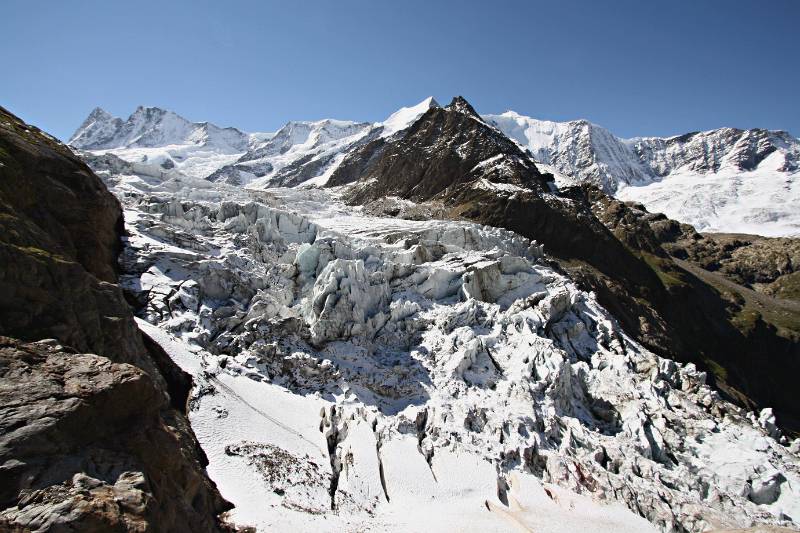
[(406, 116), (99, 124), (511, 114), (430, 102), (460, 104), (152, 112), (462, 148), (98, 113)]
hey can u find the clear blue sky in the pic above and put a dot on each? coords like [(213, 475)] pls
[(638, 68)]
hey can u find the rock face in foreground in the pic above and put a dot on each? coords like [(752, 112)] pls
[(84, 446), (87, 442)]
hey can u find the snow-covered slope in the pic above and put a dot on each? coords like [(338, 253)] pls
[(726, 180), (405, 116), (764, 201), (149, 127), (160, 141), (357, 373), (308, 153), (583, 151), (299, 152)]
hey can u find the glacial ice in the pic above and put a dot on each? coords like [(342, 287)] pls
[(356, 371)]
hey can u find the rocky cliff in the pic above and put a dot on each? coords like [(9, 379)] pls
[(93, 435)]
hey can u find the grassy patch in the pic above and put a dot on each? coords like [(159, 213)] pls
[(38, 253), (786, 287), (746, 319), (719, 371), (470, 209), (664, 269), (746, 311)]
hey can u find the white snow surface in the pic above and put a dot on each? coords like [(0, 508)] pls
[(357, 373), (723, 180), (579, 149), (299, 152), (154, 127), (406, 116), (161, 142), (760, 202)]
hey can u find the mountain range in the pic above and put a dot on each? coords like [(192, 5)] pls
[(725, 180), (441, 321)]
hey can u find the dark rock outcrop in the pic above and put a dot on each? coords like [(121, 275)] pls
[(770, 265), (766, 264), (87, 442), (446, 149)]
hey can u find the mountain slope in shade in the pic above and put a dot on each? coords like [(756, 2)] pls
[(720, 180)]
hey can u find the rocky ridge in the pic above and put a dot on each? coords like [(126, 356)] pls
[(158, 142), (149, 127), (298, 152), (724, 180)]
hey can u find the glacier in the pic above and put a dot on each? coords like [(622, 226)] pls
[(359, 372), (355, 372)]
